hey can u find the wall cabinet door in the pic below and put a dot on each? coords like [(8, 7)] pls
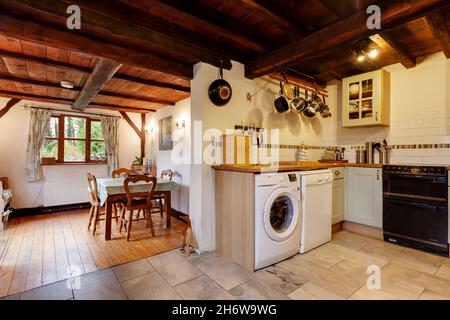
[(364, 196), (366, 99), (338, 201)]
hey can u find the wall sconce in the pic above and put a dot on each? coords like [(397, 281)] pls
[(149, 129), (180, 124)]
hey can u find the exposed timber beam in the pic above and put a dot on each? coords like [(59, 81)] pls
[(24, 29), (354, 27), (143, 116), (40, 98), (76, 68), (385, 41), (11, 103), (436, 24), (130, 123), (107, 94), (111, 21), (103, 71)]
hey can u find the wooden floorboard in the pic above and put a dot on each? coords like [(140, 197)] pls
[(42, 249)]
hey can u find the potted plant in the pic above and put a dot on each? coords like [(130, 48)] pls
[(137, 163)]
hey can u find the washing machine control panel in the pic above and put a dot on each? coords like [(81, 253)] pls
[(292, 177)]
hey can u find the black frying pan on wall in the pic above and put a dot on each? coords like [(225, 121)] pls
[(219, 91)]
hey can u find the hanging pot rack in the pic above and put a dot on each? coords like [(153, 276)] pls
[(304, 84)]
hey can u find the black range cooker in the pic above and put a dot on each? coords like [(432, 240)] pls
[(415, 207)]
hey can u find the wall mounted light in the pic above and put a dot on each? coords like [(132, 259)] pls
[(180, 124), (149, 129)]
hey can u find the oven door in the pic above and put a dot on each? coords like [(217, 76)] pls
[(430, 189), (416, 220)]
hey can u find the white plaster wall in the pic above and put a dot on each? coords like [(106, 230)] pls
[(13, 143), (165, 159)]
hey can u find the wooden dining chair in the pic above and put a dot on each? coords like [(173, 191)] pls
[(137, 201), (96, 204), (165, 174), (122, 172)]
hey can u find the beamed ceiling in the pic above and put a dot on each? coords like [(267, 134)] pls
[(137, 55)]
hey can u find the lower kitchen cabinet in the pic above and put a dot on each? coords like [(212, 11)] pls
[(364, 196), (338, 207)]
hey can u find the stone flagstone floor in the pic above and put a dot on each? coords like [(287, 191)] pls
[(336, 270)]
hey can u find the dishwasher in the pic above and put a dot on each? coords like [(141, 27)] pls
[(316, 200)]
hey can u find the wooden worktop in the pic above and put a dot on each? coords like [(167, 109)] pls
[(290, 166)]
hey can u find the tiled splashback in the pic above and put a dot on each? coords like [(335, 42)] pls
[(427, 154)]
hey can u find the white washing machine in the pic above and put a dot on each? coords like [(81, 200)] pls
[(277, 217), (316, 194)]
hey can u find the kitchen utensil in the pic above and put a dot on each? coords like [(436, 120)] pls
[(369, 152), (298, 103), (219, 91), (310, 110), (281, 104), (288, 91)]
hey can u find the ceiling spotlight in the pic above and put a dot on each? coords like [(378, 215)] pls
[(360, 58), (67, 84), (373, 53)]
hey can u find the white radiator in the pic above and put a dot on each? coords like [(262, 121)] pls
[(57, 194)]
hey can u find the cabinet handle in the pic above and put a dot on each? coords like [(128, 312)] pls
[(378, 174), (376, 116)]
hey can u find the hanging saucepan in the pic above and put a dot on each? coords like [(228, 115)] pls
[(298, 103), (280, 103), (219, 91), (310, 110), (325, 113)]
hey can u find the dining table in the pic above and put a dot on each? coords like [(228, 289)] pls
[(113, 189)]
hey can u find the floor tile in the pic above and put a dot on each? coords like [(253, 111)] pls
[(202, 288), (383, 250), (174, 267), (431, 295), (415, 259), (350, 240), (225, 273), (99, 285), (280, 279), (56, 291), (149, 287), (312, 291), (132, 270), (344, 278), (14, 296), (255, 289), (444, 272), (396, 272)]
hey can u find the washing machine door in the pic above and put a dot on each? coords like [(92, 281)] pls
[(281, 214)]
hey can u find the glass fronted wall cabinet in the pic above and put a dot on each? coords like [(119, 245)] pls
[(366, 99)]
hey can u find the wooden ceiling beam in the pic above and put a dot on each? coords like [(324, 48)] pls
[(107, 94), (24, 29), (40, 98), (103, 71), (385, 41), (76, 68), (11, 103), (189, 15), (110, 21), (354, 27), (436, 24)]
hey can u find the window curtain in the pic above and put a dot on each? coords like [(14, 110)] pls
[(110, 130), (38, 128)]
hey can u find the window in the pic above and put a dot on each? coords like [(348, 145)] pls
[(74, 139)]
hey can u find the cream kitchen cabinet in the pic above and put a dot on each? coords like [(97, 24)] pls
[(338, 208), (366, 99), (364, 196)]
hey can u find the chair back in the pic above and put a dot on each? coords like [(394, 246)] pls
[(149, 169), (95, 199), (120, 172), (167, 174), (132, 195)]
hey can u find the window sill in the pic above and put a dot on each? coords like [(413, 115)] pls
[(75, 164)]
